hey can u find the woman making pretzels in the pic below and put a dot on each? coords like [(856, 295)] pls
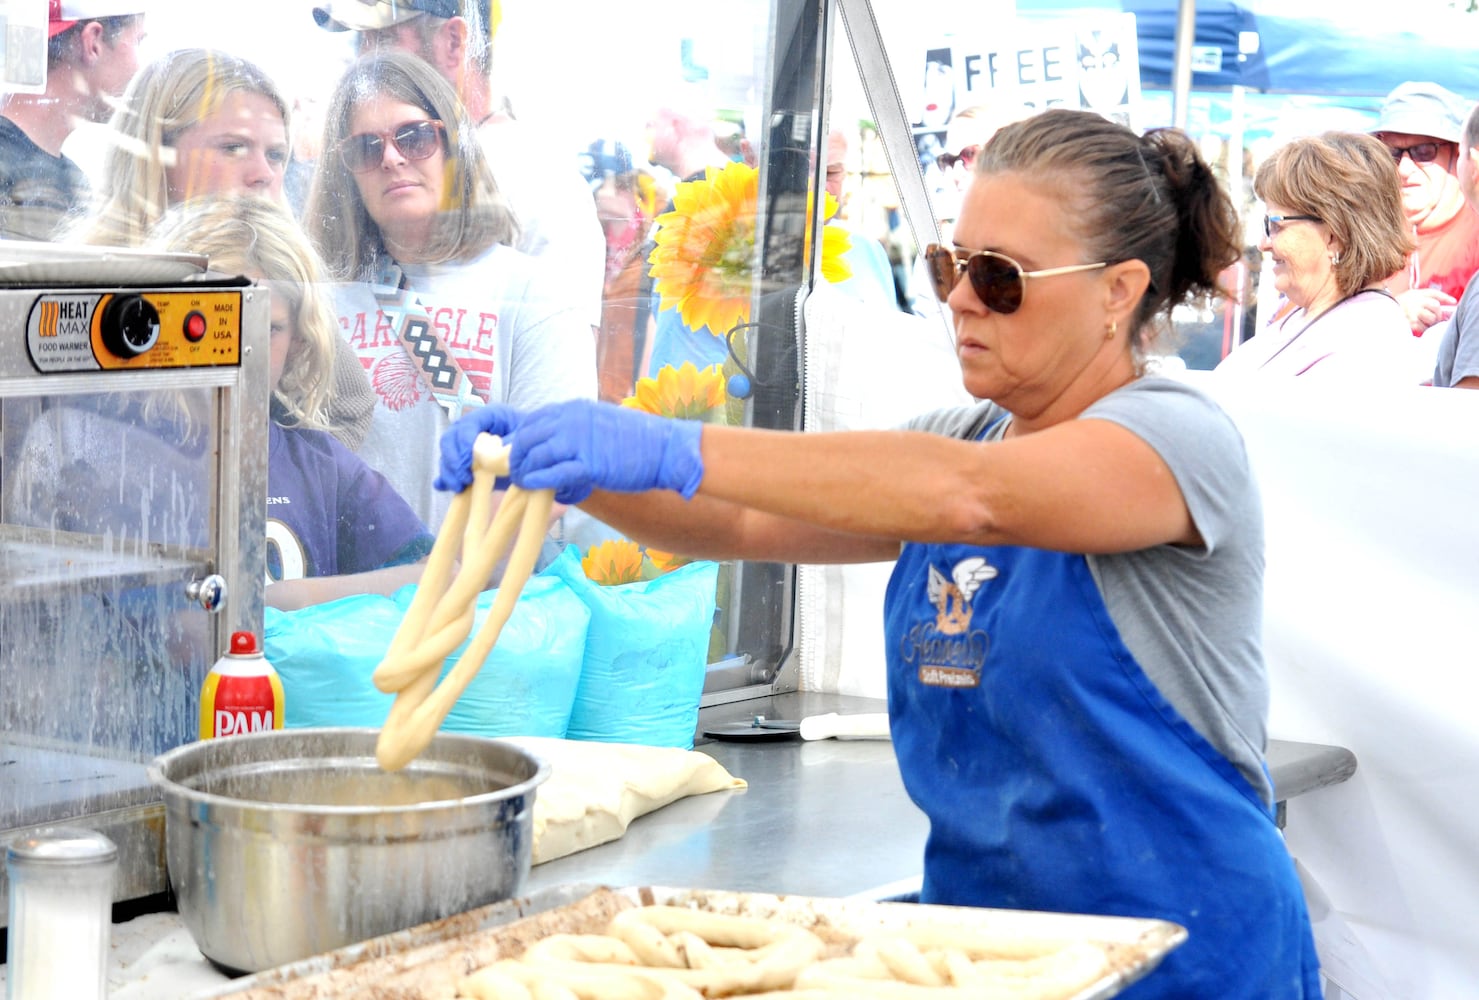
[(1076, 688)]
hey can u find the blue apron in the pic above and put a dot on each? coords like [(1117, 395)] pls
[(1057, 777)]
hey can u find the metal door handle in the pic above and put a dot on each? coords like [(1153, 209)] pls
[(210, 592)]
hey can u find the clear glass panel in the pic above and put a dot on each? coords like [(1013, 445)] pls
[(102, 527), (511, 252)]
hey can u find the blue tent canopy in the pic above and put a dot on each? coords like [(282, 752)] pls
[(1296, 54)]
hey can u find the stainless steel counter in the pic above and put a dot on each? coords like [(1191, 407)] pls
[(825, 818), (828, 818)]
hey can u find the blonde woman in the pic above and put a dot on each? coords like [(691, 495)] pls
[(337, 528), (443, 312), (201, 123)]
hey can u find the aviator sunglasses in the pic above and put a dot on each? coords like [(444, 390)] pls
[(965, 158), (998, 281), (413, 140)]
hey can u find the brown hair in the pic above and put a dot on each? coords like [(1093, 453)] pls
[(1347, 181), (1150, 198)]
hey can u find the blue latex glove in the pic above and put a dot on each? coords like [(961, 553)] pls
[(581, 445), (455, 473)]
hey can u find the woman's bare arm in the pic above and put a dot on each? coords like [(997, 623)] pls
[(1080, 486)]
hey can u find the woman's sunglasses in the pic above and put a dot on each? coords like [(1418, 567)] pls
[(965, 158), (413, 140), (998, 281)]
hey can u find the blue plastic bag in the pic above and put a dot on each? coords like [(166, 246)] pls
[(326, 654), (646, 654)]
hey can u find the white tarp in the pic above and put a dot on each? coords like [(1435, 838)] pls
[(1372, 590)]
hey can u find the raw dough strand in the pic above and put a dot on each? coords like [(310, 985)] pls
[(442, 612), (451, 619), (428, 716)]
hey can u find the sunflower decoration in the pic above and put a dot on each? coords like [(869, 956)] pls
[(684, 392), (666, 562), (703, 264), (613, 563)]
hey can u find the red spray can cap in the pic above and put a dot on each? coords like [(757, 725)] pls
[(244, 644)]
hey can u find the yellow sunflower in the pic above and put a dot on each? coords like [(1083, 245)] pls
[(612, 563), (683, 392), (703, 264), (666, 562)]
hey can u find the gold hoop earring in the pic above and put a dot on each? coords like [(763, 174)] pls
[(1111, 330)]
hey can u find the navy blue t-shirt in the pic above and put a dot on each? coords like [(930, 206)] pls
[(328, 513)]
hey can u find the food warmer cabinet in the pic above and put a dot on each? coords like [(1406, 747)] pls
[(133, 471)]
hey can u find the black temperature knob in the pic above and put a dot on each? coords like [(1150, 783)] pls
[(130, 325)]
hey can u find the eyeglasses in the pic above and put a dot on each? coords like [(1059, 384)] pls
[(965, 158), (1421, 152), (998, 281), (1273, 225), (413, 140)]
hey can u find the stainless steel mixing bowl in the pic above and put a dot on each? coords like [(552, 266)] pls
[(285, 844)]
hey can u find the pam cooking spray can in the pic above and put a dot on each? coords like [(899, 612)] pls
[(242, 694)]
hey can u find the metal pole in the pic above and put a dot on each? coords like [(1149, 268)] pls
[(1186, 34)]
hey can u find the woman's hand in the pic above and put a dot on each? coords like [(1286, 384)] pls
[(455, 472), (581, 445)]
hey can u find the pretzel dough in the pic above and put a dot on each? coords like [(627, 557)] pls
[(672, 952), (441, 613)]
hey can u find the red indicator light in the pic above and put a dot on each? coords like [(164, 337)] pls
[(195, 327)]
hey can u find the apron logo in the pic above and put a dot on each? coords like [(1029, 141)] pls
[(947, 652), (952, 597)]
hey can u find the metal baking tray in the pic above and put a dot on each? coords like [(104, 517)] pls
[(425, 963)]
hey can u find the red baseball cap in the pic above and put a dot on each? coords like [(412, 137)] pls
[(65, 13)]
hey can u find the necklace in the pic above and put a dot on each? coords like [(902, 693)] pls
[(1318, 316)]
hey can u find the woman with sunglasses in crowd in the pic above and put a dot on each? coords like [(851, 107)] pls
[(1334, 231), (443, 312), (1077, 692), (203, 123)]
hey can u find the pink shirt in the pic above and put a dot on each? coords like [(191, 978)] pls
[(1363, 339)]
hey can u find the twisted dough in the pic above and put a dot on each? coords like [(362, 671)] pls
[(441, 613), (672, 952)]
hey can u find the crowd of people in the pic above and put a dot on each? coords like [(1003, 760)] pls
[(461, 263), (432, 260), (1343, 239)]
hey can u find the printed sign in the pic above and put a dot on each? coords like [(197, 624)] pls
[(1088, 62)]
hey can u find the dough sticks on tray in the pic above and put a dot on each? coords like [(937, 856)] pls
[(441, 613)]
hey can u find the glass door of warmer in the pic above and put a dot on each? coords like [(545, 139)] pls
[(105, 520)]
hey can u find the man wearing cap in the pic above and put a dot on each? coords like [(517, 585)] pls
[(1421, 124), (91, 56), (1457, 365), (556, 213)]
